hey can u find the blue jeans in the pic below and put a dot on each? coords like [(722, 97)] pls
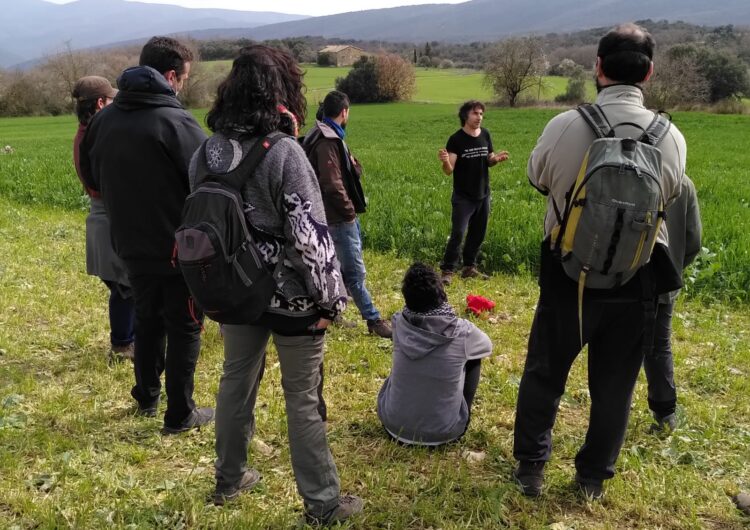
[(348, 243)]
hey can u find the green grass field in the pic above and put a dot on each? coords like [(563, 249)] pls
[(433, 85), (409, 196), (73, 455)]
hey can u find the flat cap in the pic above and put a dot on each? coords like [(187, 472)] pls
[(92, 87)]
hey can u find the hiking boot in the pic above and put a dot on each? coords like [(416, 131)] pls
[(380, 327), (742, 500), (348, 505), (248, 481), (530, 477), (473, 272), (446, 277), (592, 489), (197, 418), (122, 353), (666, 424)]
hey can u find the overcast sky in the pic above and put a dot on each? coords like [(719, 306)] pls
[(299, 7)]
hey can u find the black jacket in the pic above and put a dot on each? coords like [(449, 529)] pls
[(136, 154)]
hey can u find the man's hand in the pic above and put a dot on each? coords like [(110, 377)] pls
[(500, 156), (323, 323), (447, 160)]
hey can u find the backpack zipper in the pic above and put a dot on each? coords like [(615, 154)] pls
[(641, 243)]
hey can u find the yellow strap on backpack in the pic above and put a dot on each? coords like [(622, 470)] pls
[(574, 214)]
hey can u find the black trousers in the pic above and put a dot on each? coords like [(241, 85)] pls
[(470, 217), (659, 365), (613, 328), (167, 339)]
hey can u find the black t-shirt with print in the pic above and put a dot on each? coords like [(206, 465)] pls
[(471, 176)]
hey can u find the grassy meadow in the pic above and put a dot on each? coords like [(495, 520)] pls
[(433, 85), (73, 455)]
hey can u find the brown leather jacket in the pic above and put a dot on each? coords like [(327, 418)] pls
[(338, 174)]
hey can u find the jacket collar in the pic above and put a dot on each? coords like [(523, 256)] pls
[(623, 94), (327, 131)]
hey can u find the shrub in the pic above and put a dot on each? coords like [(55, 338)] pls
[(446, 64), (361, 82), (382, 78), (324, 59), (424, 61), (396, 80), (576, 89)]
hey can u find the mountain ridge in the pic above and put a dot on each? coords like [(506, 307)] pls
[(91, 23)]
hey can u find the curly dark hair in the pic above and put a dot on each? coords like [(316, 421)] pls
[(626, 52), (467, 107), (261, 79), (164, 54), (422, 288)]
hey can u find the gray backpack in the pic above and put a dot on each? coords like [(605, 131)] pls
[(614, 209)]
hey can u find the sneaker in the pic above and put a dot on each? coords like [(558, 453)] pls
[(122, 353), (348, 505), (196, 420), (666, 424), (247, 482), (446, 277), (473, 272), (380, 327), (530, 477), (148, 411), (742, 500), (592, 489)]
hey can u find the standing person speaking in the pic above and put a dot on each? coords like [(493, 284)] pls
[(467, 156)]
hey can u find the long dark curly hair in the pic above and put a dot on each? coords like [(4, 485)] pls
[(262, 78)]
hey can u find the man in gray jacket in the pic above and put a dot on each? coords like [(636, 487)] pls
[(613, 321)]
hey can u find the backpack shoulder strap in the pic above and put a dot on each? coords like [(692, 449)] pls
[(244, 171), (657, 130), (594, 116)]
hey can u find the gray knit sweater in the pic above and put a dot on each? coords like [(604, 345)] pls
[(285, 213)]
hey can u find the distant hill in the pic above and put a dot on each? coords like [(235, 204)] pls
[(32, 28), (481, 20)]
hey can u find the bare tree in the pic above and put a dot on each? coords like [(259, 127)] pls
[(677, 80), (69, 66), (515, 65)]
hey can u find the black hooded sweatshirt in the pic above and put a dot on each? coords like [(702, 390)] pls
[(136, 153)]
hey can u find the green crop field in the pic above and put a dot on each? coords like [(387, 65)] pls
[(73, 454)]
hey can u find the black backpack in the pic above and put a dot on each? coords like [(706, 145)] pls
[(221, 265)]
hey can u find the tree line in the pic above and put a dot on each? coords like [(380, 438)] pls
[(696, 65)]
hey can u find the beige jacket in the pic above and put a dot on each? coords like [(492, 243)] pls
[(556, 159)]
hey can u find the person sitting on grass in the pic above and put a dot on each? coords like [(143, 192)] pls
[(436, 364)]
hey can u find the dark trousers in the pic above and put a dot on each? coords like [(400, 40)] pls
[(167, 339), (121, 314), (470, 217), (659, 366), (613, 328), (471, 382)]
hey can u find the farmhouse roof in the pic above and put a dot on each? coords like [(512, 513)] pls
[(338, 48)]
